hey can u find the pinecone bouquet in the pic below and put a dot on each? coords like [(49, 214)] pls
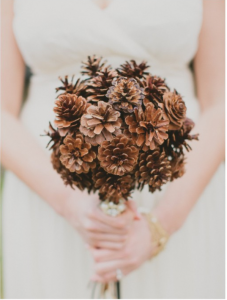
[(117, 130)]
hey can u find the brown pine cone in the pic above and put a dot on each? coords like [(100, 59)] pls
[(133, 70), (175, 109), (177, 166), (69, 109), (154, 88), (55, 160), (79, 88), (92, 66), (118, 156), (154, 169), (149, 126), (99, 85), (73, 179), (77, 155), (125, 94), (111, 187), (100, 123), (177, 139), (55, 137)]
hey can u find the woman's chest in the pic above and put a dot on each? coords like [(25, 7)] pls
[(53, 33)]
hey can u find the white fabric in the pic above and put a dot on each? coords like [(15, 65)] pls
[(43, 256)]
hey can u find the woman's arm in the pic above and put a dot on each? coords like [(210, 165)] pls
[(25, 157), (209, 151), (18, 147)]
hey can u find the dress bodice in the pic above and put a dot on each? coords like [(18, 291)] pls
[(56, 34)]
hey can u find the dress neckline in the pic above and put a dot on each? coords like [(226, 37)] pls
[(109, 4)]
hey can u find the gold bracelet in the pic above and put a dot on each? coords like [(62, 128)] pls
[(159, 236)]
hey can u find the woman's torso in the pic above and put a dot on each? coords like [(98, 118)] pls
[(54, 36)]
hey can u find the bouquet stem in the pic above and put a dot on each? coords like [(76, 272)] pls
[(110, 290), (118, 290)]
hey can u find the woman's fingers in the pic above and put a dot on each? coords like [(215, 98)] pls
[(107, 271), (101, 255), (128, 258), (110, 277), (120, 222), (106, 237), (92, 225), (105, 267), (108, 245)]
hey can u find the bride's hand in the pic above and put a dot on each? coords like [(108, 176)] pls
[(97, 229), (136, 251)]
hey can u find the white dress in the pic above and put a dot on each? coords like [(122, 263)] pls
[(43, 256)]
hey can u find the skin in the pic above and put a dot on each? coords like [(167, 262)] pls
[(114, 242)]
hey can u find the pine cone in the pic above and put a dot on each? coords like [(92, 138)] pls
[(125, 94), (77, 155), (69, 109), (177, 167), (79, 88), (111, 187), (92, 66), (154, 88), (55, 137), (73, 179), (177, 139), (133, 70), (118, 156), (154, 169), (55, 160), (100, 123), (149, 126), (99, 85), (175, 109)]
